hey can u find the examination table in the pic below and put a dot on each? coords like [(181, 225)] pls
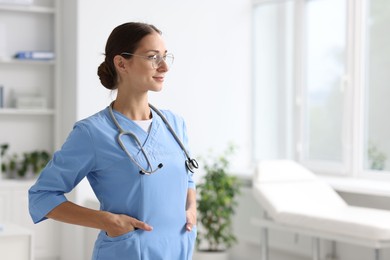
[(294, 199)]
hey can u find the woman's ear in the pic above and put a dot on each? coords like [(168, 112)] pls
[(119, 62)]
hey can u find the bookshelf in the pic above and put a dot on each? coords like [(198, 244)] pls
[(28, 8), (22, 112), (29, 27), (11, 61), (34, 27)]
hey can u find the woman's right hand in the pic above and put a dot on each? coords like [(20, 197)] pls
[(113, 224), (119, 224)]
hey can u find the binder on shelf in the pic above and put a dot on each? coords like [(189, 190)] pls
[(34, 55)]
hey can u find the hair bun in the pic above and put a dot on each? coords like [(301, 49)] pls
[(105, 76)]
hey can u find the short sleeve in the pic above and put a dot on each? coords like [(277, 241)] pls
[(66, 169)]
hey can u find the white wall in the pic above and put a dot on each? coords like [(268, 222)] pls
[(210, 82)]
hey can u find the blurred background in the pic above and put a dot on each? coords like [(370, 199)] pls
[(280, 79)]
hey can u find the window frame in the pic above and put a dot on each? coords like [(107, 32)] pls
[(354, 83)]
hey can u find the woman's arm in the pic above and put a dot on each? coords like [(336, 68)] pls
[(191, 209), (113, 224)]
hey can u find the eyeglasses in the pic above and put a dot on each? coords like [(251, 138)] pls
[(156, 59)]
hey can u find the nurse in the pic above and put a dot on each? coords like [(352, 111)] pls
[(148, 216)]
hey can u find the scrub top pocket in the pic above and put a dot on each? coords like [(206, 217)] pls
[(191, 241), (118, 238), (118, 248)]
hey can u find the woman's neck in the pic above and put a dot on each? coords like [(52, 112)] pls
[(135, 109)]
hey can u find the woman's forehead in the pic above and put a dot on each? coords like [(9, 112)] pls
[(152, 42)]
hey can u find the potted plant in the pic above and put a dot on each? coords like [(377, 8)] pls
[(22, 166), (3, 149), (217, 202), (33, 162)]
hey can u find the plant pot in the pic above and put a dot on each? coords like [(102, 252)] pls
[(210, 255)]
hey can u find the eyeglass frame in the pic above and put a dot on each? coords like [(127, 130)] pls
[(153, 58)]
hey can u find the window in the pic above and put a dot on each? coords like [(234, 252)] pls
[(325, 68), (273, 63), (320, 84), (377, 91)]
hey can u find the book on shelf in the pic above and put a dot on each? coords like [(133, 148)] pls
[(34, 55)]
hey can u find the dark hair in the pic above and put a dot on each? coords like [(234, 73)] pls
[(124, 38)]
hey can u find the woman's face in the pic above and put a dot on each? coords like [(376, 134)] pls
[(141, 75)]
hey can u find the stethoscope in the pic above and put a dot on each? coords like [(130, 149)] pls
[(191, 164)]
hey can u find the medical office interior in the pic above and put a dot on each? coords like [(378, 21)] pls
[(302, 80)]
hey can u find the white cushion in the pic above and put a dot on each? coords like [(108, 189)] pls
[(284, 197), (292, 195), (349, 221), (281, 171)]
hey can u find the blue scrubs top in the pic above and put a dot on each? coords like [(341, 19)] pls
[(91, 150)]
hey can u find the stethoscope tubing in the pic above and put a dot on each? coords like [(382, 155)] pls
[(170, 130), (191, 164)]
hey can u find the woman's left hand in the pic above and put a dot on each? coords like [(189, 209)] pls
[(191, 218), (191, 209)]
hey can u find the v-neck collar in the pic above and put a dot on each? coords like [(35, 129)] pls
[(128, 125)]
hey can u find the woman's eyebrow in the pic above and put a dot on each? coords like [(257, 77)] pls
[(156, 51)]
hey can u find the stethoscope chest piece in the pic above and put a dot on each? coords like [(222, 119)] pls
[(192, 165)]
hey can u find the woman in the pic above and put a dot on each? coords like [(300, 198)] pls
[(146, 193)]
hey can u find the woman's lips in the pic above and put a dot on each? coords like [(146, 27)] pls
[(161, 79)]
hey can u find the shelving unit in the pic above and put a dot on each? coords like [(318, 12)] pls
[(29, 28), (32, 27), (22, 112), (27, 62), (27, 8)]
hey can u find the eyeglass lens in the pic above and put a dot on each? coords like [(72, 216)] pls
[(155, 59), (158, 59)]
